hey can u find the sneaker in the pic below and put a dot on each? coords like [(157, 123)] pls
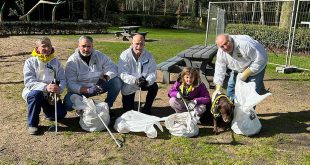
[(33, 130)]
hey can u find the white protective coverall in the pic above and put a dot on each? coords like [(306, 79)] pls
[(247, 53), (79, 74), (37, 76), (129, 72)]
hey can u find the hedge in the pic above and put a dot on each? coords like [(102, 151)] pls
[(150, 21), (272, 36), (26, 28)]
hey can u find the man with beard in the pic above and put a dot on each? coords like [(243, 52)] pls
[(90, 72)]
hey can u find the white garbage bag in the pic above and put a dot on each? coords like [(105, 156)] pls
[(89, 120), (245, 120), (182, 124), (133, 121)]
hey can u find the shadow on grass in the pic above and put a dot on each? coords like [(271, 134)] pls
[(288, 123)]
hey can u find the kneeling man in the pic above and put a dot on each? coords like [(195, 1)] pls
[(137, 69)]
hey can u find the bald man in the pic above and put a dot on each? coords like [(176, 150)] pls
[(242, 54), (137, 69)]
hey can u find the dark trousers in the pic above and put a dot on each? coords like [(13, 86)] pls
[(128, 100), (36, 101)]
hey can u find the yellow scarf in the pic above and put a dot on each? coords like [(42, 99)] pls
[(187, 88), (43, 57)]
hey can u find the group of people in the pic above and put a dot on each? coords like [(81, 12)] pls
[(89, 72)]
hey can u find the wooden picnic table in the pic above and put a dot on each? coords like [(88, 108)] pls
[(200, 57), (129, 31)]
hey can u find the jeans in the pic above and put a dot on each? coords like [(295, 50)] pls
[(258, 79), (179, 106), (128, 100), (36, 101), (113, 87)]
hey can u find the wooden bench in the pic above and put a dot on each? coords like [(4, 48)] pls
[(172, 65), (118, 33), (201, 57)]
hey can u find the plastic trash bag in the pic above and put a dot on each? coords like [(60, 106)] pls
[(89, 120), (183, 124), (133, 121), (245, 119)]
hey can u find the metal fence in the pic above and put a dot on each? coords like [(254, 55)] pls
[(283, 26)]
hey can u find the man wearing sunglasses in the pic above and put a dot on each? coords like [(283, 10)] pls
[(241, 54)]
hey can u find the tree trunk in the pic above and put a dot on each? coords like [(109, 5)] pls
[(262, 20), (286, 13), (1, 12), (105, 11), (86, 10)]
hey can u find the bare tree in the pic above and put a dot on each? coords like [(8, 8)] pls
[(23, 17), (262, 20), (286, 12)]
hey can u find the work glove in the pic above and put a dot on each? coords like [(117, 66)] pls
[(142, 83), (179, 95), (100, 85), (92, 90), (191, 105), (245, 74), (218, 90)]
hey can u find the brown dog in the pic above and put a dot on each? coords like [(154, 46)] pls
[(222, 110)]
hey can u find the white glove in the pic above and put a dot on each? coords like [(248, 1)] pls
[(92, 90), (192, 104), (179, 95)]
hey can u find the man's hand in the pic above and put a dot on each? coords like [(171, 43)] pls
[(192, 104), (92, 90), (53, 88), (142, 83), (245, 74), (102, 81), (218, 90), (179, 95)]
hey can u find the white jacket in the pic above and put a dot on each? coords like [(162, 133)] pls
[(247, 53), (37, 75), (129, 72), (79, 74)]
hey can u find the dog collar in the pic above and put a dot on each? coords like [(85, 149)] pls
[(215, 102)]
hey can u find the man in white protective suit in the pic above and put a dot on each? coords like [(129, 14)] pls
[(137, 69), (43, 77), (247, 59), (90, 72)]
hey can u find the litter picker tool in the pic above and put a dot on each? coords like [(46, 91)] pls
[(182, 98), (55, 81), (140, 71), (117, 141)]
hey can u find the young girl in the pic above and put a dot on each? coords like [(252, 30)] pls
[(192, 90)]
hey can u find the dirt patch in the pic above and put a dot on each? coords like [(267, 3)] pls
[(289, 102)]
